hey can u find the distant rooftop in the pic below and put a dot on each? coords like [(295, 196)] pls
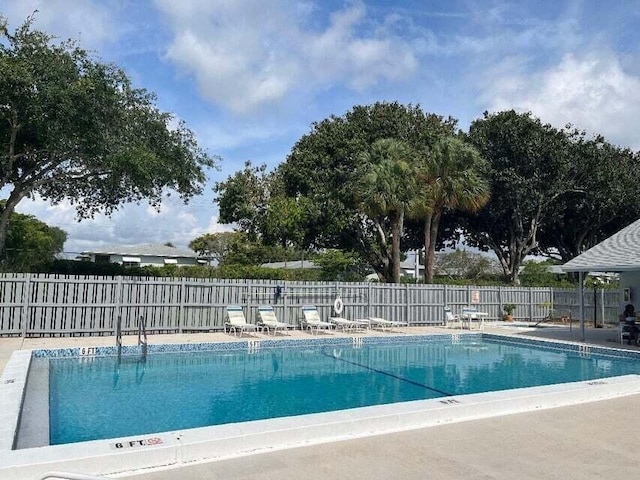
[(293, 264), (149, 249)]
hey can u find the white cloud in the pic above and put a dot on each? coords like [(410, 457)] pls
[(89, 21), (250, 54), (132, 224), (215, 227), (231, 134), (592, 92)]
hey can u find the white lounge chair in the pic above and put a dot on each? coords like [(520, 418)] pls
[(383, 324), (236, 321), (269, 320), (312, 320), (450, 319), (345, 323)]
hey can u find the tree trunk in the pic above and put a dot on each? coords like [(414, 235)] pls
[(431, 254), (427, 243), (4, 226), (396, 224), (5, 215)]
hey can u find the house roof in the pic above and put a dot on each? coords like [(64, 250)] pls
[(293, 264), (618, 253), (146, 250)]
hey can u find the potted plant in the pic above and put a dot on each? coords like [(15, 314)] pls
[(508, 311)]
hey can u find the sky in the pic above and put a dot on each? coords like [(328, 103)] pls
[(249, 77)]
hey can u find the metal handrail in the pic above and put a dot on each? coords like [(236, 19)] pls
[(142, 331), (119, 332), (69, 476)]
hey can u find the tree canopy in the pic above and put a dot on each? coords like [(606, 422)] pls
[(385, 191), (327, 165), (605, 202), (513, 185), (31, 243), (72, 127), (531, 167), (451, 177)]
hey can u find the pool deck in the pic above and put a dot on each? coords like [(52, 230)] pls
[(586, 441)]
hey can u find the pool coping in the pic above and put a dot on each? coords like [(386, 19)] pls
[(176, 448)]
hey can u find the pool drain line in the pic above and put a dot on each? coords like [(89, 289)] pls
[(388, 374)]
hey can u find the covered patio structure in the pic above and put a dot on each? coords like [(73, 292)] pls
[(619, 253)]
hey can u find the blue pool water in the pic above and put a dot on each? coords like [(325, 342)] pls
[(104, 398)]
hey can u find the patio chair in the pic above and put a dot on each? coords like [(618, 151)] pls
[(269, 320), (345, 323), (313, 321), (236, 321), (627, 329), (451, 319), (383, 324)]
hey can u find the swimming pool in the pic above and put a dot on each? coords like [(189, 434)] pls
[(108, 397), (224, 399)]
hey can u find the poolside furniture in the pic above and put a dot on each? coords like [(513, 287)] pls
[(383, 324), (471, 314), (625, 328), (349, 324), (313, 321), (451, 319), (269, 320), (236, 321)]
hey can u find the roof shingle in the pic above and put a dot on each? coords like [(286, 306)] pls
[(620, 252)]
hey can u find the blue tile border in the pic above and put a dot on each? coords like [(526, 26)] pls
[(264, 344), (261, 344), (558, 345)]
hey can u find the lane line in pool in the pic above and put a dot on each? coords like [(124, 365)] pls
[(388, 374)]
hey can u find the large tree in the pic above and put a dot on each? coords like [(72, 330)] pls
[(74, 128), (387, 189), (31, 242), (253, 200), (531, 167), (242, 198), (325, 168), (451, 177), (606, 202)]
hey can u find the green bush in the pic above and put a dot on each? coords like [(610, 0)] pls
[(74, 267)]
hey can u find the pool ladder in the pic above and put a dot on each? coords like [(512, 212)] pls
[(142, 336), (142, 341)]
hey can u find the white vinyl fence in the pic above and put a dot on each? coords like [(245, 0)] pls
[(55, 305)]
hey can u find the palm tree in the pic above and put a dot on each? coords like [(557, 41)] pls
[(451, 177), (385, 191)]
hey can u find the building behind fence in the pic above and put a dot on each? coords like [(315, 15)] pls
[(53, 305)]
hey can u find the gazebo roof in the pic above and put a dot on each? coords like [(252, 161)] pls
[(618, 253)]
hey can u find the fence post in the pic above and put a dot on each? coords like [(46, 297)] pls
[(181, 308), (24, 312), (531, 304), (285, 301), (406, 292), (249, 298), (369, 300), (445, 294), (118, 305)]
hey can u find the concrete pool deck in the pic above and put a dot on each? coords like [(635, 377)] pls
[(581, 441)]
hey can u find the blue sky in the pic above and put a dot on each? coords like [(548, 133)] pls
[(250, 76)]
